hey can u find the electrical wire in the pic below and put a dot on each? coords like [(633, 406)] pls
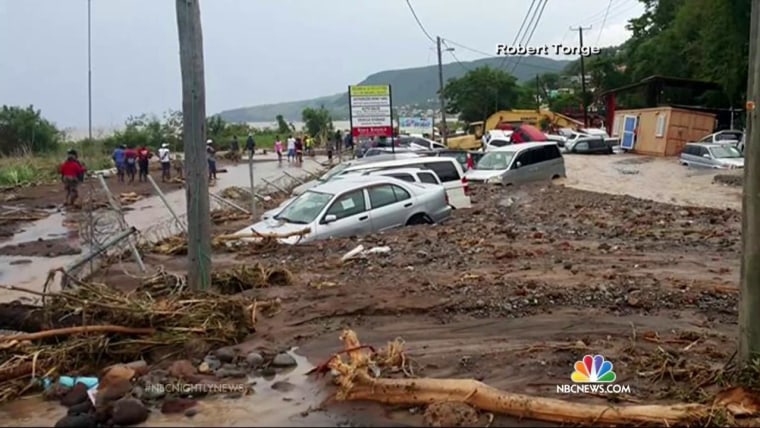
[(517, 35), (490, 55), (419, 23), (604, 22), (451, 51), (540, 14)]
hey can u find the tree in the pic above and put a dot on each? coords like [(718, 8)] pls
[(282, 125), (482, 92), (215, 126), (24, 130), (318, 122), (566, 103)]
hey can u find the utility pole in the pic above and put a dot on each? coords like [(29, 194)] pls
[(749, 305), (583, 74), (89, 68), (194, 130), (444, 128), (538, 94)]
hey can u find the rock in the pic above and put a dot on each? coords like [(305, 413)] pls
[(283, 359), (129, 411), (154, 392), (191, 412), (212, 362), (450, 414), (204, 368), (77, 421), (283, 386), (177, 405), (254, 360), (227, 372), (116, 373), (225, 355), (113, 391), (184, 370), (77, 395), (82, 408)]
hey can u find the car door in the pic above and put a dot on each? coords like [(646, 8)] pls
[(525, 166), (352, 216), (390, 206), (700, 159)]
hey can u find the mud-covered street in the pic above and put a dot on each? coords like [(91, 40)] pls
[(512, 293)]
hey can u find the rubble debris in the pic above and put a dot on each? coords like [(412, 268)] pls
[(356, 381)]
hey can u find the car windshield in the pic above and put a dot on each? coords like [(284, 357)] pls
[(728, 136), (495, 161), (725, 152), (329, 175), (498, 143), (305, 208)]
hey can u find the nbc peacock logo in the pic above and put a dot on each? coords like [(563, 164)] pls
[(593, 369)]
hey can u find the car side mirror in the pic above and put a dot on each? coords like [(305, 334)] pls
[(706, 156), (329, 218), (518, 164)]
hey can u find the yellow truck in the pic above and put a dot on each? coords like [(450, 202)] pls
[(505, 119)]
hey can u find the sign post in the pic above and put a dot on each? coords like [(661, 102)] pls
[(371, 112)]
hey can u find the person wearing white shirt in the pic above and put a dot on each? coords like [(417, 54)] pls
[(291, 148), (164, 156)]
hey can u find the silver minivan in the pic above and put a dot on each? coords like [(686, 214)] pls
[(520, 163), (714, 156)]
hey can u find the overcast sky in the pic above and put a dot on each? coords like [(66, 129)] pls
[(256, 51)]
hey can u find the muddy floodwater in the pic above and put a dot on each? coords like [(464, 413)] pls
[(31, 272)]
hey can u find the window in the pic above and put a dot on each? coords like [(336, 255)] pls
[(545, 153), (498, 143), (583, 145), (525, 158), (660, 132), (446, 171), (427, 177), (702, 150), (380, 196), (386, 194), (351, 203), (401, 194), (401, 176)]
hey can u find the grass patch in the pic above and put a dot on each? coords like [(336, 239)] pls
[(28, 168)]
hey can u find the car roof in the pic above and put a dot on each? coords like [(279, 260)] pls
[(382, 158), (406, 162), (351, 182), (522, 146), (708, 145)]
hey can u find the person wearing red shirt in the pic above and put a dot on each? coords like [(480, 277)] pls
[(71, 171), (130, 155), (143, 155)]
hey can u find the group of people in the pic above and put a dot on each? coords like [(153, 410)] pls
[(295, 148)]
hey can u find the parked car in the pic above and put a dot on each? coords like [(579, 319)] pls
[(461, 156), (337, 169), (410, 175), (376, 151), (559, 139), (519, 163), (731, 136), (590, 146), (356, 206), (496, 143), (449, 171), (715, 156)]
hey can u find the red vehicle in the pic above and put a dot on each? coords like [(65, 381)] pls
[(527, 134)]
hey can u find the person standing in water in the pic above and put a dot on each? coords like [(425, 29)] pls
[(164, 157), (143, 156), (211, 158), (71, 171), (278, 149), (119, 159)]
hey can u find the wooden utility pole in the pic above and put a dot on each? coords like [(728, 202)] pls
[(444, 128), (749, 306), (583, 74), (194, 130), (538, 94)]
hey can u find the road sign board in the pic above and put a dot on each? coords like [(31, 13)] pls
[(371, 113)]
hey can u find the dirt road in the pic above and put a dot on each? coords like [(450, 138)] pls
[(516, 290)]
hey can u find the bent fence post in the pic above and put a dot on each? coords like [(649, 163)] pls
[(78, 263), (222, 200), (166, 203), (122, 221)]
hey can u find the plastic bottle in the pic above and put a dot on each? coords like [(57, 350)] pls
[(69, 381)]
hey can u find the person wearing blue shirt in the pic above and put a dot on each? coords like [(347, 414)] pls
[(120, 159)]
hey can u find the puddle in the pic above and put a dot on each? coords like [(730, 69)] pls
[(265, 407), (148, 215)]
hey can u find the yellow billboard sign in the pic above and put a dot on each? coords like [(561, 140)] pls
[(370, 91)]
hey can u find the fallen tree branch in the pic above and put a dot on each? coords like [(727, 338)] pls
[(355, 383), (254, 234), (77, 330)]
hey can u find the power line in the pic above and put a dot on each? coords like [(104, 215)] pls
[(451, 51), (540, 14), (517, 35), (604, 21), (419, 23), (490, 55)]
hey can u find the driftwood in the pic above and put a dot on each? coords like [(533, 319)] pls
[(76, 330), (356, 383), (254, 234)]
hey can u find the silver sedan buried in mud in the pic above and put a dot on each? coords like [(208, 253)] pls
[(351, 207)]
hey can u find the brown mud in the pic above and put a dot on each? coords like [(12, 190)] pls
[(517, 289)]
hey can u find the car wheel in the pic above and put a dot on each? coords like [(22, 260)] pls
[(555, 177), (418, 219)]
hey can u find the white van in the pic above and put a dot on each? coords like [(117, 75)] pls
[(448, 170)]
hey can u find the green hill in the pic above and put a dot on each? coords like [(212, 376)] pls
[(411, 86)]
